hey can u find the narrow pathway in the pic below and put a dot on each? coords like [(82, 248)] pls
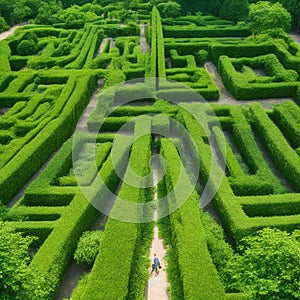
[(157, 285), (103, 43), (74, 272), (21, 192), (269, 161), (82, 123), (5, 34), (227, 98), (143, 41)]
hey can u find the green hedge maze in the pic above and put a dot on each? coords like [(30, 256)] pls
[(50, 75)]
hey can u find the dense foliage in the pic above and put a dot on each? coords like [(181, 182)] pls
[(264, 16), (267, 265), (52, 11), (14, 260), (48, 76), (88, 248)]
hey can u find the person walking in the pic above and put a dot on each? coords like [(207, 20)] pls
[(156, 265)]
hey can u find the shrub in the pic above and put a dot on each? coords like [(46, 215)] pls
[(87, 248), (201, 57), (26, 47), (62, 49), (14, 259)]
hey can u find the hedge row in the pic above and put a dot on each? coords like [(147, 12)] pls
[(226, 153), (270, 65), (240, 87), (287, 117), (196, 270), (51, 132), (271, 205), (88, 172), (73, 50), (244, 139), (229, 207), (208, 31), (152, 32), (123, 244), (284, 157), (187, 61), (161, 64), (53, 255), (4, 54), (189, 47), (197, 79)]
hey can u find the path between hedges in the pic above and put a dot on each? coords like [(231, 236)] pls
[(157, 285), (145, 47), (103, 43)]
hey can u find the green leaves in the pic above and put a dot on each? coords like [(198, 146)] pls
[(88, 247), (263, 16), (14, 259), (267, 266)]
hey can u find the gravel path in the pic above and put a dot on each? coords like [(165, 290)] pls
[(143, 41), (157, 285), (103, 43)]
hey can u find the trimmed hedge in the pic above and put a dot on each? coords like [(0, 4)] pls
[(287, 117), (50, 133), (242, 89), (197, 272), (123, 244), (248, 148), (284, 157)]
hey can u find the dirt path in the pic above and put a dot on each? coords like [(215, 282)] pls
[(227, 98), (143, 41), (82, 123), (103, 43), (157, 285), (5, 34), (295, 36)]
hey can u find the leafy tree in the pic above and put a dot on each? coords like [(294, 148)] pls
[(48, 11), (169, 9), (293, 7), (213, 7), (234, 10), (88, 247), (268, 266), (264, 15), (34, 6), (193, 6), (6, 10), (21, 12), (3, 24)]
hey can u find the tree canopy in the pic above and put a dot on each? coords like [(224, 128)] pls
[(263, 16), (268, 265), (234, 10), (169, 9)]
